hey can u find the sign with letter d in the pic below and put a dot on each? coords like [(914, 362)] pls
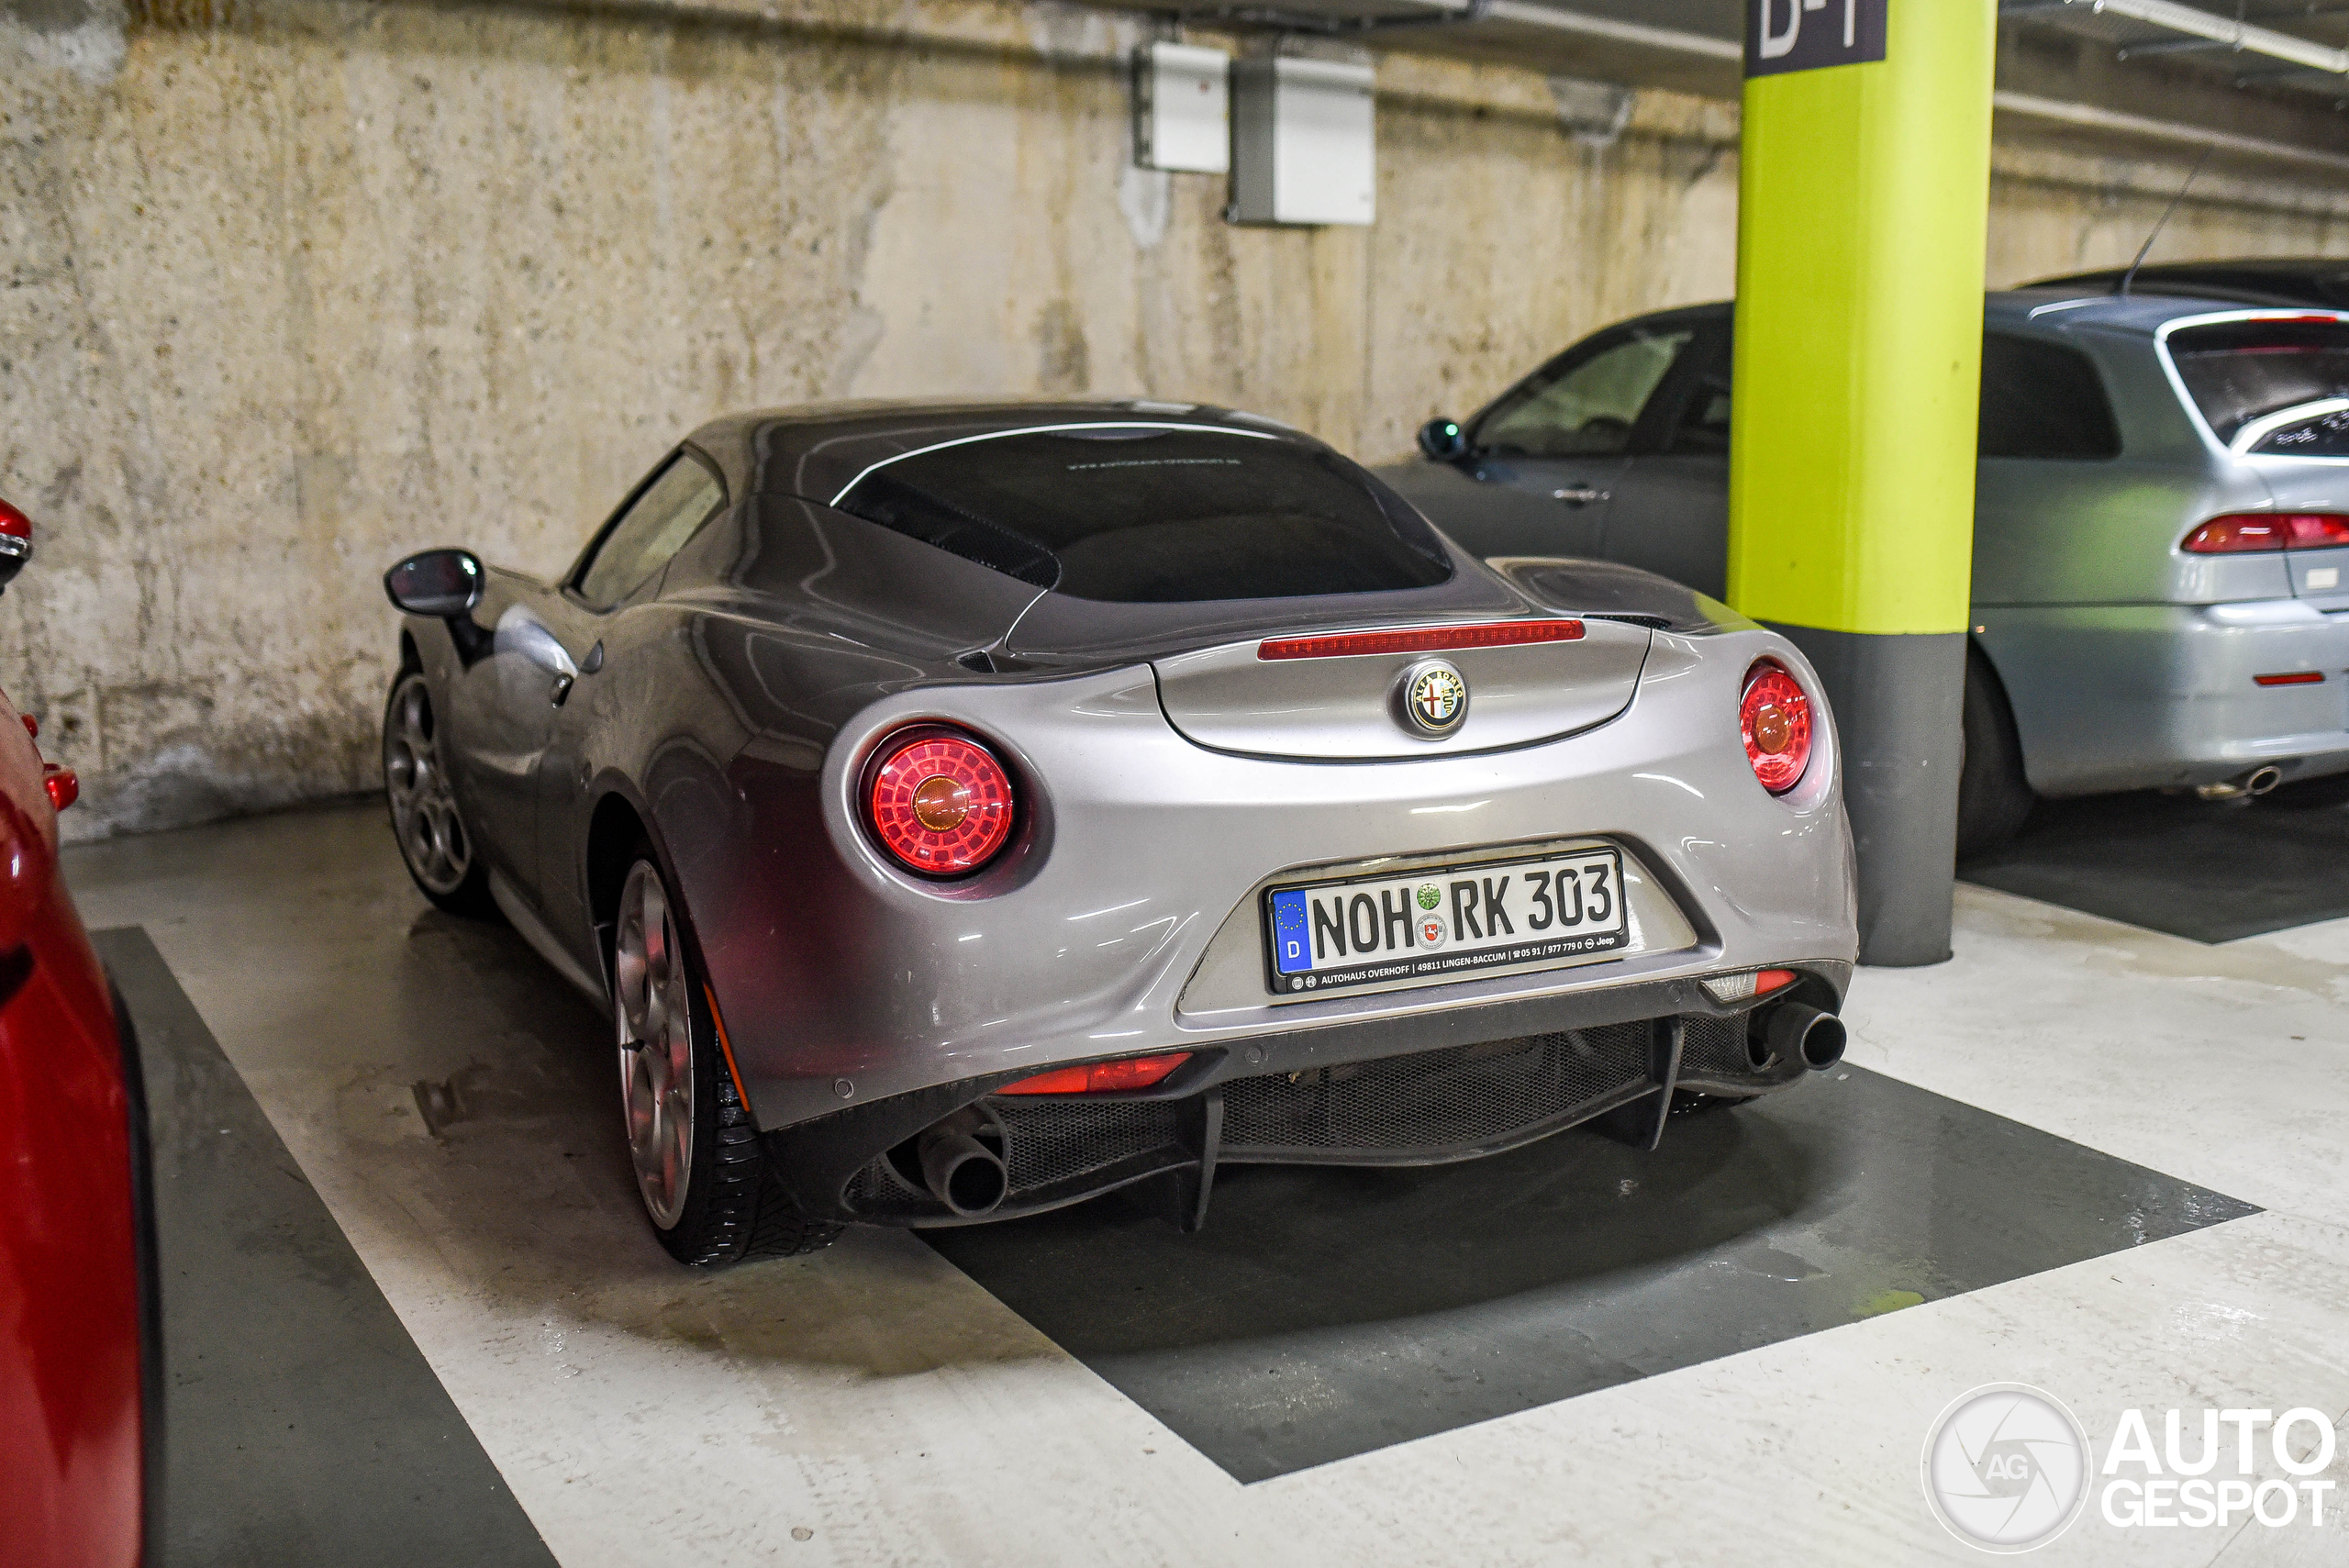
[(1804, 35)]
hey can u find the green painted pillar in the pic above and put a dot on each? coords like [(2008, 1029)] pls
[(1863, 190)]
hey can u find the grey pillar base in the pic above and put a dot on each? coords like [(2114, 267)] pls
[(1900, 705)]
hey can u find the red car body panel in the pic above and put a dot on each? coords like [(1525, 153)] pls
[(73, 1407)]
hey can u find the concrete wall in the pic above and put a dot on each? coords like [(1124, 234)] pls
[(295, 286)]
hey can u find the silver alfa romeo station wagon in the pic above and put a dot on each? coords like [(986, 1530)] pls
[(2161, 527)]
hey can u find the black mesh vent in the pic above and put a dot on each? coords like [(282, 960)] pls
[(1715, 1048), (878, 1191), (1046, 1142), (1435, 1099)]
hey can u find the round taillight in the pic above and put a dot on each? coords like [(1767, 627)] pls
[(940, 802), (1774, 717)]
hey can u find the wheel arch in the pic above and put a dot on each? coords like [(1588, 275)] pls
[(1995, 791), (614, 831), (1976, 648), (620, 824)]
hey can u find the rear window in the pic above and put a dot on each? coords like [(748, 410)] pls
[(1156, 514), (2239, 373), (2043, 400)]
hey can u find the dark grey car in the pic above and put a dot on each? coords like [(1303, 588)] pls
[(2321, 280), (2160, 517)]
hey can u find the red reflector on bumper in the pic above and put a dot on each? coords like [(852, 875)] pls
[(1101, 1077), (2292, 678), (1422, 639), (1771, 980)]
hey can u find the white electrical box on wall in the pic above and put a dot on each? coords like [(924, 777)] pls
[(1304, 148), (1183, 108)]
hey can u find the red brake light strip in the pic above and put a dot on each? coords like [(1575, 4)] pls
[(2291, 678), (1422, 639)]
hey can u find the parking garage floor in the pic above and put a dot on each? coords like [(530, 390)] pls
[(413, 1313)]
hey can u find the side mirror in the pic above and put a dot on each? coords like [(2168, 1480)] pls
[(442, 583), (16, 543), (1442, 439)]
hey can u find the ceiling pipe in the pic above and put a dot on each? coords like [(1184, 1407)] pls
[(2306, 53)]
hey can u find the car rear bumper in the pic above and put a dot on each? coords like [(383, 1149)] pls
[(1327, 1096), (2139, 697), (841, 981)]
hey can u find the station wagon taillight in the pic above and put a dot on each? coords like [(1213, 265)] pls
[(1774, 717), (2240, 533), (938, 801)]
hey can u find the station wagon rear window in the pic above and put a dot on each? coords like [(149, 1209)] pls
[(1155, 514), (2242, 372)]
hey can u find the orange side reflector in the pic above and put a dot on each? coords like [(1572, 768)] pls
[(725, 1050), (1101, 1077)]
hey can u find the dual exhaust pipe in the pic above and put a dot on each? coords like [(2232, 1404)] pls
[(962, 1157)]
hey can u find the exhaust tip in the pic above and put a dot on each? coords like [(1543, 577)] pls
[(1795, 1031), (2243, 786), (962, 1172), (1822, 1044)]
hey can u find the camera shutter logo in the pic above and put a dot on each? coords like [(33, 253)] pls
[(2006, 1467)]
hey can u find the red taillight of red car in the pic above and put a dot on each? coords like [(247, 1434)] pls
[(15, 524), (940, 802), (2240, 533), (1774, 717), (1101, 1077), (63, 786)]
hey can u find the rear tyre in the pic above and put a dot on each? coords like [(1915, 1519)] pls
[(1993, 795), (700, 1168), (435, 843)]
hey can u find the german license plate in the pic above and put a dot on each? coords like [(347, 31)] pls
[(1444, 923)]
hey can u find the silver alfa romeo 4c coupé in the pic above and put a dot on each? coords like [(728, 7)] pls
[(965, 811)]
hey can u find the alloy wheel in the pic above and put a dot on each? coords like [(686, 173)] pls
[(424, 811), (652, 1006)]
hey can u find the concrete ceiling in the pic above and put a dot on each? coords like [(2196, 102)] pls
[(2100, 76)]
